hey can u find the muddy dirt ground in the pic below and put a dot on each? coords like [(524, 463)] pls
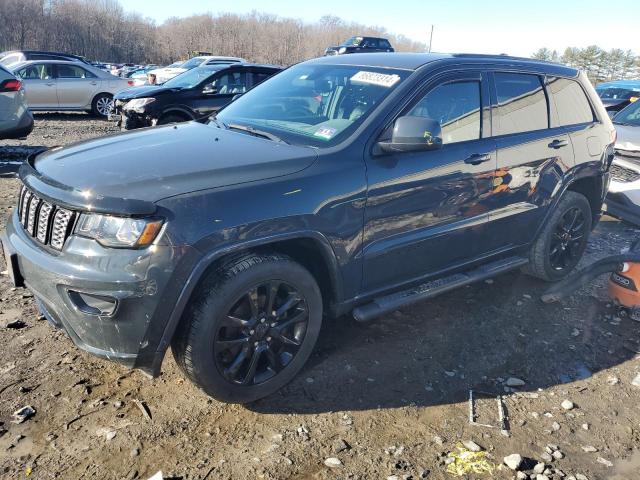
[(388, 399)]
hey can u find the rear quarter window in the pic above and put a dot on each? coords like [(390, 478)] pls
[(522, 103), (570, 100)]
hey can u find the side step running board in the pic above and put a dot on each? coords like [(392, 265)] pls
[(392, 302)]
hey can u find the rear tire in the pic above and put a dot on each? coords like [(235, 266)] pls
[(260, 309), (560, 245), (102, 105)]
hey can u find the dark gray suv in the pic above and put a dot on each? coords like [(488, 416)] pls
[(341, 185)]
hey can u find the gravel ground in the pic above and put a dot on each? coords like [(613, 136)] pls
[(387, 400)]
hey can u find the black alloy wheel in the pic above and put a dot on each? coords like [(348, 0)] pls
[(566, 241), (261, 333)]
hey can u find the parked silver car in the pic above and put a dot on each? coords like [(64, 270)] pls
[(623, 199), (16, 120), (57, 85)]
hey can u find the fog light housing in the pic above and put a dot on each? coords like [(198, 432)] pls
[(91, 304)]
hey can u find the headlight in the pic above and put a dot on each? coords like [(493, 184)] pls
[(342, 49), (138, 104), (113, 231)]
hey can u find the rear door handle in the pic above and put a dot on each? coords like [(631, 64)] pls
[(50, 84), (94, 83), (558, 144), (477, 158)]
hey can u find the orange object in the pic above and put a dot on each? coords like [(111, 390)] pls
[(623, 285)]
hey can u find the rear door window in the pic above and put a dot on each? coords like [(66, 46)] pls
[(456, 106), (570, 100), (231, 83), (259, 77), (72, 71), (522, 103)]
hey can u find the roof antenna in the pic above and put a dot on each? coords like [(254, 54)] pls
[(430, 40)]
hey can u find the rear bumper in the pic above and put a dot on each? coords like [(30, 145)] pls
[(133, 280), (23, 128)]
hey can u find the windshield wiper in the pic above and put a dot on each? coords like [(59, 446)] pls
[(255, 132), (218, 123)]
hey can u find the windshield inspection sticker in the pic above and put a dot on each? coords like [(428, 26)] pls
[(325, 132), (373, 78)]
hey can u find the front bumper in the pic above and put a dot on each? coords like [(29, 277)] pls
[(623, 198), (129, 120), (135, 279)]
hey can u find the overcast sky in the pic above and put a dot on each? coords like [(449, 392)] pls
[(493, 26)]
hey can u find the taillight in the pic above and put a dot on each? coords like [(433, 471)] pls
[(10, 85), (131, 83)]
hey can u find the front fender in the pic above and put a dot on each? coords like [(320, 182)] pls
[(151, 361)]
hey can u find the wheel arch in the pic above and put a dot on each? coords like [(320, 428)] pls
[(591, 188), (311, 249), (178, 111), (95, 97)]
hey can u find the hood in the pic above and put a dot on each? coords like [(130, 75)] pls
[(628, 138), (142, 92), (138, 168)]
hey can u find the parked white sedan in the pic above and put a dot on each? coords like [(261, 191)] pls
[(167, 73), (58, 85)]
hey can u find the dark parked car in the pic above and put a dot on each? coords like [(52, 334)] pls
[(331, 188), (192, 95), (13, 57), (360, 45), (617, 95)]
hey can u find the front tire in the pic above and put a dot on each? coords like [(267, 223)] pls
[(560, 245), (250, 328)]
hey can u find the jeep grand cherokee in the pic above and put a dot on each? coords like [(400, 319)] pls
[(342, 185)]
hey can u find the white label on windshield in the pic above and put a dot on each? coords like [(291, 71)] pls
[(325, 132), (373, 78)]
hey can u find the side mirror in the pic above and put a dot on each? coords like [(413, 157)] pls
[(413, 134), (210, 89)]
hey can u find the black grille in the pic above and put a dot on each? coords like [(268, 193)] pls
[(49, 224), (623, 174)]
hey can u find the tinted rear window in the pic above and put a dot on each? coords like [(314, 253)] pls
[(571, 102), (522, 103)]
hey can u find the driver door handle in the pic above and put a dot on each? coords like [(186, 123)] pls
[(477, 158), (558, 144)]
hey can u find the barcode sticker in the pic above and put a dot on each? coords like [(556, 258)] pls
[(373, 78)]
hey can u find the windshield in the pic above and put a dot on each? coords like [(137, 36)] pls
[(616, 93), (191, 78), (629, 115), (317, 105), (174, 65), (194, 62), (351, 42)]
